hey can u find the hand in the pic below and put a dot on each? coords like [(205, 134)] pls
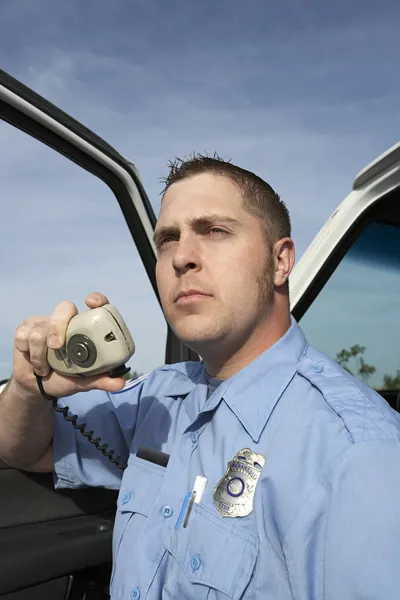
[(32, 339)]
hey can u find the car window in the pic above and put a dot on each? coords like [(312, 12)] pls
[(62, 236), (355, 318)]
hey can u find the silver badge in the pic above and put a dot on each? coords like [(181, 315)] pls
[(233, 495)]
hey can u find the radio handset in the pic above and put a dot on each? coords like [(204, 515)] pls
[(97, 341)]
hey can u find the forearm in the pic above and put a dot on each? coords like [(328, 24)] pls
[(26, 426)]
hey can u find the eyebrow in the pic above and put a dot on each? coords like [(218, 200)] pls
[(195, 223)]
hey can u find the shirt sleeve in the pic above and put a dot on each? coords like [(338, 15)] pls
[(112, 417), (362, 550), (345, 542)]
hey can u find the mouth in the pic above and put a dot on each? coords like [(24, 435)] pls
[(191, 296)]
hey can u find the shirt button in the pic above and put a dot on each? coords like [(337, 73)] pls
[(135, 594), (317, 368), (126, 497), (195, 562), (194, 437), (167, 511)]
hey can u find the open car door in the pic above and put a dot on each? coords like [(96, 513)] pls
[(345, 290), (58, 544)]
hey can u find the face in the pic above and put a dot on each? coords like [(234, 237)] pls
[(214, 271)]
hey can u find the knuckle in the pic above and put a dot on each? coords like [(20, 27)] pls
[(32, 323), (40, 324), (37, 336), (21, 335)]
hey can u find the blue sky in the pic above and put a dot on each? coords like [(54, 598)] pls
[(303, 93)]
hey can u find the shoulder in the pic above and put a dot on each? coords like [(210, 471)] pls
[(168, 379), (364, 413)]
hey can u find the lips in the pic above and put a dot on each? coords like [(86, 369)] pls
[(189, 293)]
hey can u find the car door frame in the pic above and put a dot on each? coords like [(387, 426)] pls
[(28, 111), (376, 183)]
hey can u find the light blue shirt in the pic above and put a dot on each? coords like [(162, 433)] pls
[(325, 519)]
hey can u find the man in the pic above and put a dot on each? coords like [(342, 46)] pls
[(301, 460)]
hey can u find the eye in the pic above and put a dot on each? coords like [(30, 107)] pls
[(217, 230), (165, 241)]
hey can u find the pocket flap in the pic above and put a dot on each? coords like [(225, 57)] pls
[(214, 553), (140, 486)]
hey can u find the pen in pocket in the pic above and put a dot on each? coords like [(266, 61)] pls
[(193, 497), (197, 494), (189, 510), (183, 509)]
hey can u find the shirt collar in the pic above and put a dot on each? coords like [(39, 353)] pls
[(253, 392), (187, 376)]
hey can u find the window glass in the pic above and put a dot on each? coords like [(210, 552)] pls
[(62, 236), (355, 318)]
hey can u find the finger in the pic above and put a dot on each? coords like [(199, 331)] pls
[(62, 314), (21, 338), (96, 299), (38, 346), (100, 382)]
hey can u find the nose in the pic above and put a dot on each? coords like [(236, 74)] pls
[(186, 256)]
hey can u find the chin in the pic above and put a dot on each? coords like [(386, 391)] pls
[(195, 335)]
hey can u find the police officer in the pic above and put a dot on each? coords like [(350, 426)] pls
[(282, 477)]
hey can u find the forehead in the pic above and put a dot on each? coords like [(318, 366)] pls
[(205, 193)]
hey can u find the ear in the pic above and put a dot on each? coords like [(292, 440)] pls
[(284, 256)]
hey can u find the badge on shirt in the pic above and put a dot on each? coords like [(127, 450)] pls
[(233, 495)]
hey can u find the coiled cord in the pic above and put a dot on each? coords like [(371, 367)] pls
[(81, 427)]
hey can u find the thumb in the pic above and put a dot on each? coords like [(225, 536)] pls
[(101, 382)]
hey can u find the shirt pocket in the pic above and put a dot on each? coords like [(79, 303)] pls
[(215, 556), (140, 488)]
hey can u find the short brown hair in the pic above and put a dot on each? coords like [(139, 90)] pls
[(258, 196)]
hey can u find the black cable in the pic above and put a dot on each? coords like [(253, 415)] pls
[(81, 427)]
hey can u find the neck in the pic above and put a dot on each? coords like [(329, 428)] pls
[(226, 362)]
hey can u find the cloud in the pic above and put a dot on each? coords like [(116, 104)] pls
[(270, 140), (304, 97)]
